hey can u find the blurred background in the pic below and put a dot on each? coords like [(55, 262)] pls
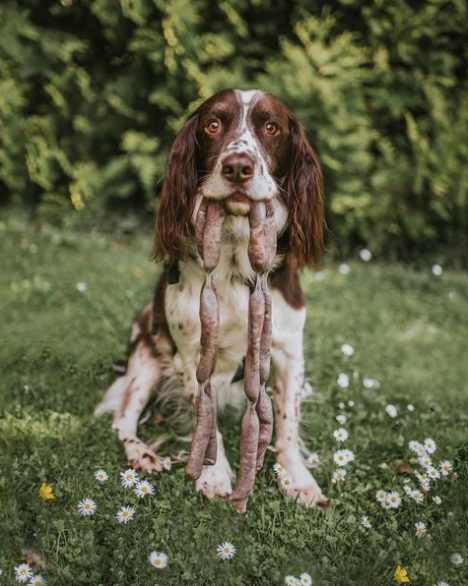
[(92, 94)]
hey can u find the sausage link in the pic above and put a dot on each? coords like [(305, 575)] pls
[(257, 249), (209, 317), (212, 449), (200, 225), (252, 358), (248, 448), (212, 235), (201, 434), (271, 235), (265, 416)]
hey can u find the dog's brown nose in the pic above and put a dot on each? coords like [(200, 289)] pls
[(238, 168)]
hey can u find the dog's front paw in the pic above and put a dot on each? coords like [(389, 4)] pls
[(215, 480), (141, 457), (297, 483)]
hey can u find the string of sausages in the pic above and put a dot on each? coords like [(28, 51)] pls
[(257, 422)]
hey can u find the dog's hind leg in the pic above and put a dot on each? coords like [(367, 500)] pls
[(127, 397)]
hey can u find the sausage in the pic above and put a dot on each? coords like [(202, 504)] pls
[(271, 235), (200, 225), (248, 444), (212, 448), (212, 235), (265, 416), (265, 341), (201, 434), (209, 317), (257, 249), (252, 358)]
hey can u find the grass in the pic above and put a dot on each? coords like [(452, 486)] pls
[(409, 332)]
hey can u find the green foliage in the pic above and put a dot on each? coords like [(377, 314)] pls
[(91, 94)]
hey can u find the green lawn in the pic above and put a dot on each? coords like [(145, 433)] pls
[(409, 331)]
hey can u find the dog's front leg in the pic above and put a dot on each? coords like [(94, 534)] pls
[(288, 363)]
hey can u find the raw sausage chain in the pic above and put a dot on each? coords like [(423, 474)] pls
[(257, 422)]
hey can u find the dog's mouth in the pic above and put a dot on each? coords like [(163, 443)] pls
[(238, 204)]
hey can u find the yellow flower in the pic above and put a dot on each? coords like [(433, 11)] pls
[(45, 492), (401, 575)]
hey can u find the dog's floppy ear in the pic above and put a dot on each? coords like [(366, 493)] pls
[(173, 222), (303, 197)]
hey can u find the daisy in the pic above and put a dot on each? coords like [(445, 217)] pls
[(425, 461), (381, 496), (410, 407), (351, 403), (437, 271), (45, 492), (226, 550), (340, 435), (421, 529), (446, 467), (401, 575), (101, 475), (23, 572), (371, 383), (437, 500), (82, 287), (343, 457), (158, 559), (313, 460), (456, 559), (167, 464), (341, 419), (347, 349), (142, 488), (341, 405), (430, 445), (407, 488), (391, 410), (87, 507), (344, 269), (279, 470), (291, 581), (129, 477), (37, 580), (339, 475), (394, 499), (286, 482), (366, 523), (343, 380), (417, 496), (433, 473), (365, 255), (125, 514), (442, 584), (305, 579)]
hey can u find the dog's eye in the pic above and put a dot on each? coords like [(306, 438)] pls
[(213, 127), (271, 128)]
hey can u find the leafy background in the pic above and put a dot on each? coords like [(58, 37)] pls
[(91, 94)]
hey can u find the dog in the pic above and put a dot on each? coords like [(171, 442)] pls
[(238, 146)]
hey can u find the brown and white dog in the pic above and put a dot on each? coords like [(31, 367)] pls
[(238, 146)]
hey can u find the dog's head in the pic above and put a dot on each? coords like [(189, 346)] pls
[(243, 146)]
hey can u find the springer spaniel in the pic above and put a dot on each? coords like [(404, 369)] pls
[(238, 146)]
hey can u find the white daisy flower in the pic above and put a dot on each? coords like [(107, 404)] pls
[(343, 380), (87, 507), (433, 473), (421, 529), (167, 464), (425, 461), (437, 500), (416, 447), (365, 522), (279, 470), (341, 419), (430, 445), (437, 271), (341, 405), (143, 488), (226, 550), (456, 559), (340, 434), (381, 496), (305, 579), (343, 457), (339, 475), (291, 581), (366, 255), (344, 269), (313, 460), (351, 403), (23, 572), (347, 349), (410, 407), (394, 499), (125, 514), (158, 559), (371, 383), (392, 411), (37, 580), (442, 584), (446, 467), (417, 496), (101, 475), (129, 477), (285, 481), (82, 287), (407, 488)]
